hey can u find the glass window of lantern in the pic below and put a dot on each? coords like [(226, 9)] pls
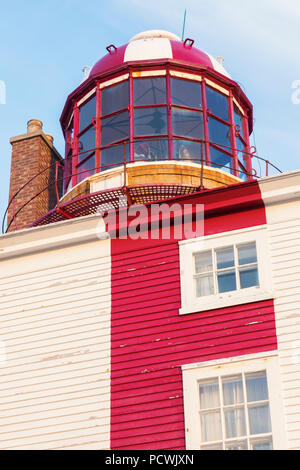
[(86, 112), (219, 133), (113, 156), (114, 98), (114, 128), (186, 93), (241, 158), (149, 91), (188, 150), (217, 103), (238, 120), (150, 121), (221, 160), (187, 123), (151, 150), (86, 168), (86, 143)]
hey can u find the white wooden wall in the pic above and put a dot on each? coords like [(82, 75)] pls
[(55, 332), (282, 198)]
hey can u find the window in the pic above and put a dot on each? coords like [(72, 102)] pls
[(224, 269), (217, 103), (234, 404), (234, 410)]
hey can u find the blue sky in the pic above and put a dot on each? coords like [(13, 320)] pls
[(45, 44)]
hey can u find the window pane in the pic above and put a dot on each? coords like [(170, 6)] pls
[(188, 150), (219, 133), (241, 445), (114, 128), (264, 444), (259, 418), (238, 119), (86, 169), (203, 262), (86, 143), (226, 281), (217, 103), (187, 123), (241, 158), (87, 112), (113, 156), (151, 150), (233, 390), (221, 160), (247, 253), (225, 257), (209, 394), (186, 93), (204, 285), (211, 426), (235, 422), (114, 98), (248, 277), (149, 91), (257, 388), (150, 121)]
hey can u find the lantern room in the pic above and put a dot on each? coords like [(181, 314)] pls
[(157, 99)]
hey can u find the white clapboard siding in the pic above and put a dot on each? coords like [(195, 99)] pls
[(55, 332), (283, 218)]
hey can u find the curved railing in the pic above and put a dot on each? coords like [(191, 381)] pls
[(259, 167)]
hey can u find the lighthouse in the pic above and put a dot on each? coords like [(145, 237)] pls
[(150, 342)]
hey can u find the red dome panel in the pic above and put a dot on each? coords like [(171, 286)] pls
[(190, 54), (109, 61)]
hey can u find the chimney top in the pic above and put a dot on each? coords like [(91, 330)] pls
[(34, 125)]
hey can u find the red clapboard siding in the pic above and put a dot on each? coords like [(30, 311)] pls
[(150, 340)]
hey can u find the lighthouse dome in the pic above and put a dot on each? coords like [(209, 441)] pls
[(156, 45)]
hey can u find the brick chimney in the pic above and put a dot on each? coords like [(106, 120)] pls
[(31, 154)]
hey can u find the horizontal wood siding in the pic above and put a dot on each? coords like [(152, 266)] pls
[(55, 329), (284, 235), (150, 341)]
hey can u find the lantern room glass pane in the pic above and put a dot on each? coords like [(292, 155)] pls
[(114, 128), (188, 150), (150, 121), (113, 156), (86, 169), (217, 103), (187, 123), (221, 160), (86, 112), (149, 91), (238, 119), (219, 133), (186, 93), (86, 143), (151, 150), (114, 98)]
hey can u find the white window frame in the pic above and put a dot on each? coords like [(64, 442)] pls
[(191, 303), (193, 374)]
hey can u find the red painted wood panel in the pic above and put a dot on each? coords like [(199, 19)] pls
[(150, 341)]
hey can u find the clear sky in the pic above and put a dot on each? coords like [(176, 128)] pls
[(44, 45)]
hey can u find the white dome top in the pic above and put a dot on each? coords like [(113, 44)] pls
[(155, 33)]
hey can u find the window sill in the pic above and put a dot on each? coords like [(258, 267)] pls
[(226, 300)]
